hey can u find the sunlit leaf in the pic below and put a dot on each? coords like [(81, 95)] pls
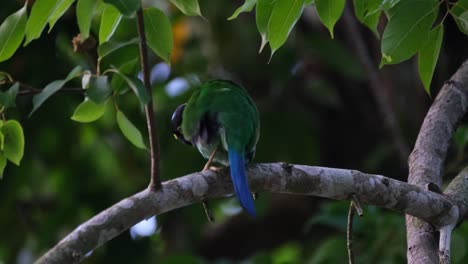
[(126, 7), (110, 19), (246, 7), (158, 32), (262, 17), (188, 7), (61, 7), (40, 14), (329, 12), (283, 18), (407, 30), (428, 55), (8, 98), (130, 68), (13, 147), (98, 89), (52, 88), (84, 14), (129, 130), (88, 111), (12, 33)]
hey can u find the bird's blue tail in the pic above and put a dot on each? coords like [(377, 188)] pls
[(239, 180)]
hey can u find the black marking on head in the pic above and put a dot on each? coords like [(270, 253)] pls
[(176, 122)]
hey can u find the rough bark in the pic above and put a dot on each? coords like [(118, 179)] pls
[(275, 177), (426, 162)]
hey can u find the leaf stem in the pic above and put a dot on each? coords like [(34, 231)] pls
[(155, 181)]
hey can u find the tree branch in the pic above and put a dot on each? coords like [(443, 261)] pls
[(426, 162), (155, 181), (275, 177)]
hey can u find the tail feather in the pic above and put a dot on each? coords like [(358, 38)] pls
[(239, 180)]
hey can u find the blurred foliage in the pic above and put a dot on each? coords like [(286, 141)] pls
[(316, 108)]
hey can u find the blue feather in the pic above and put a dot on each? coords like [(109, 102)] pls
[(239, 180)]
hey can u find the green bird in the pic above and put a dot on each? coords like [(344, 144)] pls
[(222, 121)]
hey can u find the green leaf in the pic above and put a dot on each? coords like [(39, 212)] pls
[(136, 85), (130, 131), (88, 111), (13, 148), (52, 88), (130, 68), (109, 21), (12, 33), (84, 15), (329, 12), (246, 7), (158, 32), (428, 55), (8, 98), (107, 48), (3, 162), (98, 89), (126, 7), (283, 18), (188, 7), (407, 30), (459, 12), (262, 17), (368, 13), (40, 14), (61, 7)]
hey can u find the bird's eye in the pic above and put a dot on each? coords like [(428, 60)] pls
[(176, 122)]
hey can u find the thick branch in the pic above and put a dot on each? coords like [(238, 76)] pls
[(426, 162), (155, 181), (276, 177)]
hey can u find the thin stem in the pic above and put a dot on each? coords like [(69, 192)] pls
[(349, 233), (155, 181), (31, 90)]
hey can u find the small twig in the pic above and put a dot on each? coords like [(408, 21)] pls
[(210, 160), (27, 89), (357, 205), (349, 232), (155, 181)]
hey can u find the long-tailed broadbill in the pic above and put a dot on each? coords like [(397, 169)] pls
[(222, 121)]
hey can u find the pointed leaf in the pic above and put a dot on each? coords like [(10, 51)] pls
[(3, 162), (158, 32), (98, 89), (459, 12), (246, 7), (40, 14), (8, 98), (407, 30), (188, 7), (428, 55), (13, 148), (52, 88), (262, 17), (136, 85), (126, 7), (368, 14), (109, 21), (12, 33), (329, 12), (84, 15), (283, 18), (61, 7), (130, 131), (118, 83), (107, 48), (88, 111)]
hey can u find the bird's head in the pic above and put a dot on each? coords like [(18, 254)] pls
[(176, 121)]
